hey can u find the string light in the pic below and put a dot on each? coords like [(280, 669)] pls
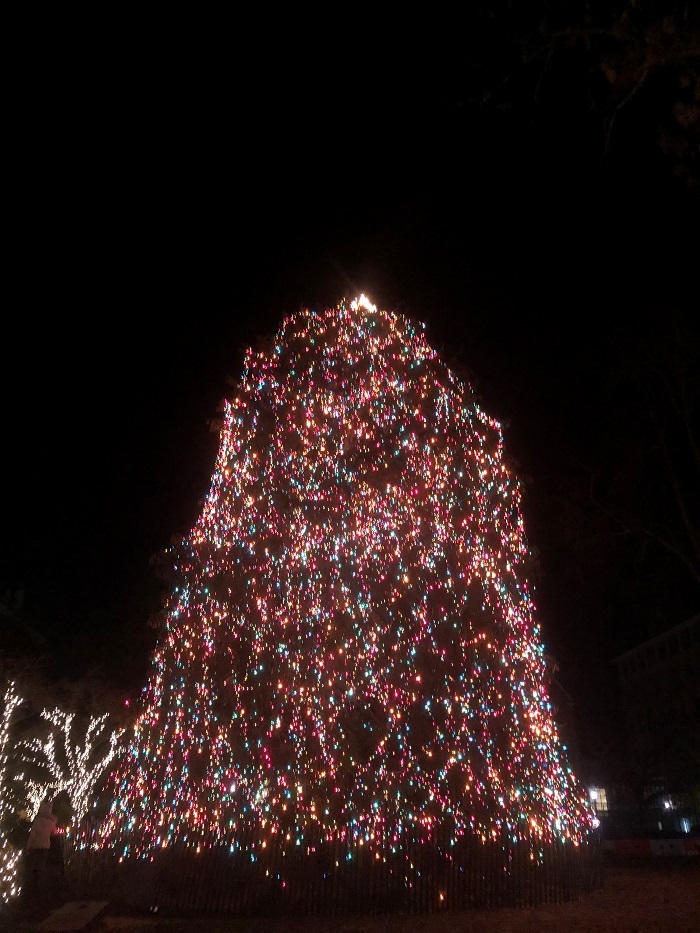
[(76, 771), (351, 644), (9, 855)]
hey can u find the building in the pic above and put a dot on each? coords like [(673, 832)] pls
[(659, 683)]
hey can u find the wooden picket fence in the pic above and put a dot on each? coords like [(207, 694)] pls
[(237, 877)]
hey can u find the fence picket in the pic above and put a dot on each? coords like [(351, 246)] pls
[(408, 871)]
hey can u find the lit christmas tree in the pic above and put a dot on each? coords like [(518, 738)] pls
[(350, 645)]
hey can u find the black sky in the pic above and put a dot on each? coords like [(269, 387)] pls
[(158, 233)]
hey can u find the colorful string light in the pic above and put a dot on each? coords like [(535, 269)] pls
[(351, 643)]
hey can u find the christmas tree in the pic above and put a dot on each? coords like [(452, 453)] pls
[(350, 643)]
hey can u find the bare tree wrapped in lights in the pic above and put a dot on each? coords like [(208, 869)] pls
[(350, 644), (9, 854), (74, 768)]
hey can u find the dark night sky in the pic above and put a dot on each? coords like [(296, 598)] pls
[(155, 239)]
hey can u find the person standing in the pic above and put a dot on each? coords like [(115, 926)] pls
[(38, 845)]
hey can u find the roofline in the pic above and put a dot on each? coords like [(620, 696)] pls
[(657, 638)]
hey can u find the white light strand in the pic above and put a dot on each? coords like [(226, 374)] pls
[(78, 778), (9, 855), (35, 752)]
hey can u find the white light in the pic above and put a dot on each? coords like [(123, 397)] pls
[(362, 302), (74, 770), (594, 793), (10, 885)]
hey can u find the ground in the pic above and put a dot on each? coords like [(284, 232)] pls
[(660, 895)]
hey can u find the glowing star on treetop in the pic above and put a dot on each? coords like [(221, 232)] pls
[(351, 640), (363, 302)]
